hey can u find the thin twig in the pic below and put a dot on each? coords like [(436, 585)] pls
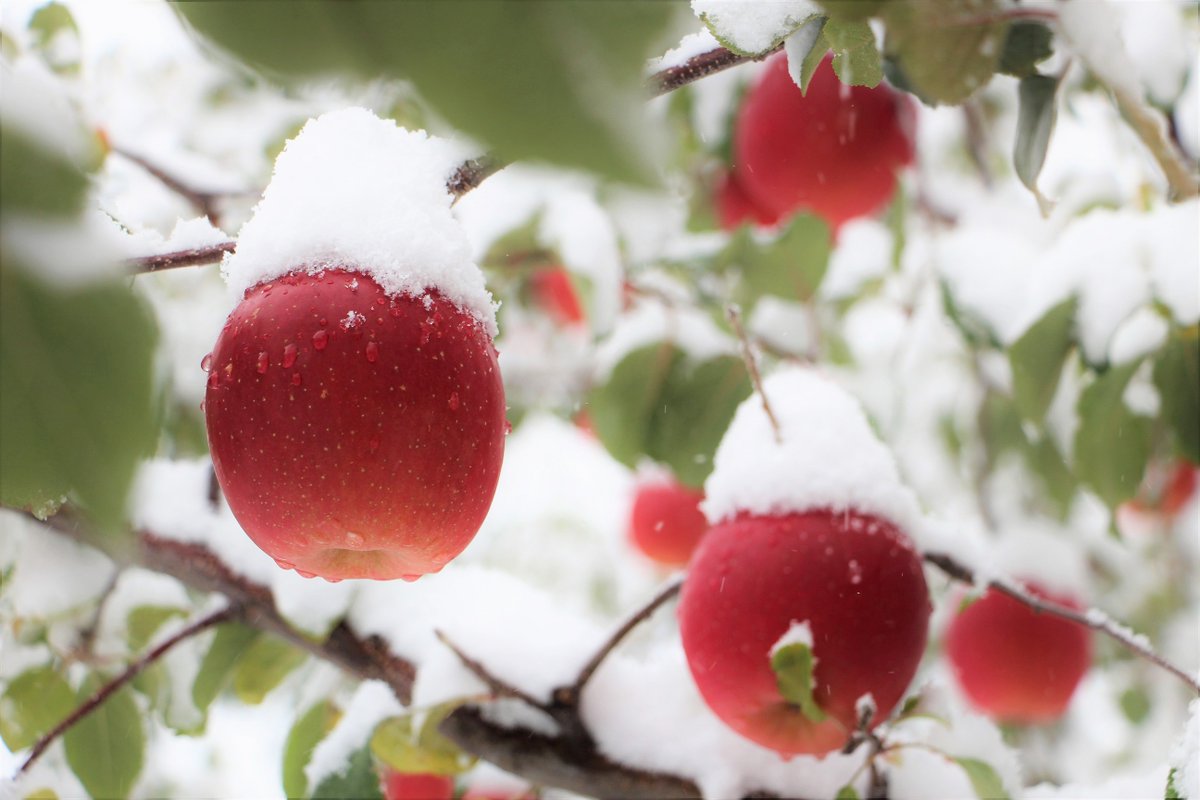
[(497, 686), (180, 258), (204, 201), (472, 173), (109, 689), (571, 694), (700, 66), (735, 319), (1095, 620)]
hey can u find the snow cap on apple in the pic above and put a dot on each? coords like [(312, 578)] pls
[(354, 404), (806, 601)]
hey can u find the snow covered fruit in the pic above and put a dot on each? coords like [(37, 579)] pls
[(666, 523), (355, 410), (1016, 664), (833, 150), (805, 599)]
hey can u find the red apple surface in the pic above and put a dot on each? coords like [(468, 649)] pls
[(355, 434), (553, 293), (417, 786), (734, 207), (1166, 489), (833, 151), (857, 583), (1016, 664), (666, 523)]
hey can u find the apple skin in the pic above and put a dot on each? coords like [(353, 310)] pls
[(1166, 489), (735, 208), (854, 578), (666, 523), (355, 435), (553, 293), (834, 151), (1016, 664), (417, 786)]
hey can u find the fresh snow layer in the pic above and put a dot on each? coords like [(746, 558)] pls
[(828, 457), (372, 703), (754, 26), (1185, 756), (358, 192)]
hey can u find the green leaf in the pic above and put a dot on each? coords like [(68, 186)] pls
[(847, 792), (76, 393), (855, 56), (307, 732), (144, 621), (228, 645), (265, 664), (1112, 444), (34, 702), (793, 665), (853, 9), (984, 779), (807, 47), (1037, 360), (356, 781), (48, 23), (658, 403), (550, 80), (106, 748), (1057, 482), (945, 48), (1172, 791), (34, 180), (1177, 377), (1027, 44), (721, 23), (1036, 114), (791, 266), (395, 744)]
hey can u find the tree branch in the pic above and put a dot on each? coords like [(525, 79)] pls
[(735, 320), (180, 258), (1091, 618), (204, 201), (109, 689), (700, 66)]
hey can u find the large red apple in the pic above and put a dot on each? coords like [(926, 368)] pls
[(666, 522), (853, 580), (735, 208), (1016, 664), (833, 151), (417, 786), (355, 434)]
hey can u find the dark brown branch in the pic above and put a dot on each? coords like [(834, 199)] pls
[(180, 258), (700, 66), (203, 201), (735, 320), (472, 173), (1094, 620), (112, 687)]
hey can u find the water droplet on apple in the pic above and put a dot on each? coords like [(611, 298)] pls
[(304, 574), (203, 405), (855, 572), (206, 363), (373, 444), (213, 380), (372, 352), (284, 564), (453, 401), (296, 379), (333, 580), (409, 578), (320, 338), (507, 427), (353, 539), (289, 355), (263, 362)]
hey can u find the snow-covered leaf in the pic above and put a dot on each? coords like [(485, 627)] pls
[(984, 779), (1177, 376), (1036, 114), (805, 48), (1028, 43), (793, 665), (1112, 444), (49, 25), (947, 49), (313, 726), (1037, 360), (855, 56), (33, 703), (422, 751), (35, 180), (263, 666), (356, 781)]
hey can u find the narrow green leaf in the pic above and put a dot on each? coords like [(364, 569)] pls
[(144, 621), (356, 781), (76, 393), (805, 48), (1037, 360), (847, 792), (34, 702), (307, 732), (984, 779), (228, 645), (106, 749), (1177, 377), (793, 665), (855, 57), (1036, 113), (1112, 444), (1054, 476), (1027, 44), (265, 664), (426, 751), (1172, 791)]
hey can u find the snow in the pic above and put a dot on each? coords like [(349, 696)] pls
[(753, 26), (1187, 113), (1044, 555), (1141, 333), (829, 458), (1185, 756), (1159, 45), (80, 573), (797, 633), (863, 253), (356, 192), (372, 703), (1093, 28), (652, 321), (689, 46), (38, 105)]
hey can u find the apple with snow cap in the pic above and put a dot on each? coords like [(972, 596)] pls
[(354, 406), (806, 597)]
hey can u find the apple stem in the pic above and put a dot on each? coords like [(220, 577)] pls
[(109, 689), (734, 315), (1091, 618)]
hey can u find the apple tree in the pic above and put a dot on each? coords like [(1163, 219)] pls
[(488, 399)]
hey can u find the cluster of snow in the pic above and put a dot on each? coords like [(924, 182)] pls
[(372, 703), (358, 192), (754, 26), (1185, 756)]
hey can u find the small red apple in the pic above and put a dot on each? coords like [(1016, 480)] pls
[(1016, 664), (834, 150), (666, 522), (417, 786), (1166, 489), (857, 584), (553, 293), (355, 434), (735, 208)]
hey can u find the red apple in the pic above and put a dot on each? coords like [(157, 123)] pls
[(1166, 489), (355, 434), (833, 151), (417, 786), (553, 293), (666, 522), (735, 208), (1016, 664), (857, 583)]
